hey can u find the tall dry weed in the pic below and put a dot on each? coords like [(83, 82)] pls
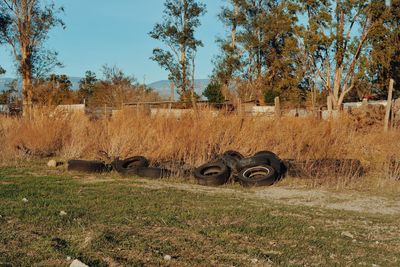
[(196, 139)]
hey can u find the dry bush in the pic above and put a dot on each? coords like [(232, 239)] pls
[(195, 139), (367, 116)]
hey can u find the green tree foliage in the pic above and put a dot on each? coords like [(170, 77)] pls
[(53, 90), (10, 94), (299, 48), (228, 62), (86, 86), (176, 32), (24, 25), (117, 88), (213, 93), (335, 39), (263, 49), (384, 60), (269, 96)]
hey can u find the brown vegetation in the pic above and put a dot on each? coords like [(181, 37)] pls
[(196, 139)]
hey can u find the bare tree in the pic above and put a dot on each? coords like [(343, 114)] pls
[(335, 39), (180, 20), (25, 25)]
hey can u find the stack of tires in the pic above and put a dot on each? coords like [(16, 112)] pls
[(264, 168), (133, 166)]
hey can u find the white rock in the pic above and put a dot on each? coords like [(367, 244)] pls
[(25, 200), (63, 213), (167, 257), (254, 261), (347, 234), (52, 163), (78, 263), (68, 258)]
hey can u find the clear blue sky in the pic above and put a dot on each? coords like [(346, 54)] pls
[(116, 33)]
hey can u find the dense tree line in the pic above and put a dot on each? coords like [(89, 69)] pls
[(304, 49), (300, 50)]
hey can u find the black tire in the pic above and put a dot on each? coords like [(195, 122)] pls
[(129, 166), (266, 152), (250, 161), (90, 166), (231, 158), (234, 154), (274, 161), (212, 174), (153, 173), (257, 175)]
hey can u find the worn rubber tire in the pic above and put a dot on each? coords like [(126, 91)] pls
[(212, 174), (250, 161), (153, 173), (129, 166), (265, 152), (274, 161), (90, 166), (234, 154), (257, 175), (231, 158)]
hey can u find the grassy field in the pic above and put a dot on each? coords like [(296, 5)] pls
[(111, 221)]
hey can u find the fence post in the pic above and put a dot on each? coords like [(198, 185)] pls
[(329, 104), (393, 115), (388, 105), (277, 107)]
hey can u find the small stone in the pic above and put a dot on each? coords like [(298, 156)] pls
[(167, 257), (375, 265), (347, 234), (68, 258), (78, 263), (52, 163), (254, 261), (311, 228), (376, 242), (63, 213), (354, 241), (25, 200)]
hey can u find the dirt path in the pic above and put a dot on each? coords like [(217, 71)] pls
[(313, 198)]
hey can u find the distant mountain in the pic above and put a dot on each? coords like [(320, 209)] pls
[(162, 87)]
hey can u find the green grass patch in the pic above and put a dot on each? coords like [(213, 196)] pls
[(113, 221)]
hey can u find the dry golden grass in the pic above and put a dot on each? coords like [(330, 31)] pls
[(196, 139)]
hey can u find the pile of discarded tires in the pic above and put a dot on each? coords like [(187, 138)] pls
[(264, 168), (133, 166)]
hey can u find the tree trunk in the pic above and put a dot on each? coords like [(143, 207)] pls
[(184, 78), (388, 105), (26, 73), (336, 86), (234, 25), (192, 94), (183, 54)]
